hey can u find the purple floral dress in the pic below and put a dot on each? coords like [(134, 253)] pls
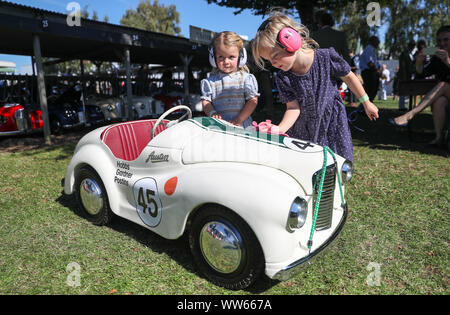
[(323, 119)]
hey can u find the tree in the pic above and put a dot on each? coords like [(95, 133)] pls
[(404, 24), (94, 16), (304, 8), (153, 17), (407, 19)]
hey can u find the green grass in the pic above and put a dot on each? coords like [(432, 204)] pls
[(399, 209)]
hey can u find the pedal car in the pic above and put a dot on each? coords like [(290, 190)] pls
[(251, 202)]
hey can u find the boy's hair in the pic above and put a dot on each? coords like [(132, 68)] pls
[(267, 37), (443, 29), (228, 39)]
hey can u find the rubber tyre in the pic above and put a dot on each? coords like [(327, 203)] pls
[(105, 215), (252, 261)]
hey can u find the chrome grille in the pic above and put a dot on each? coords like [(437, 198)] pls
[(325, 213)]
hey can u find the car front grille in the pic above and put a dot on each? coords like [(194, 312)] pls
[(325, 213)]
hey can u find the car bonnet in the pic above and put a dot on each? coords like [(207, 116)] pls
[(220, 141)]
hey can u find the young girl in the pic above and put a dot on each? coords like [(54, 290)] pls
[(230, 92), (307, 84)]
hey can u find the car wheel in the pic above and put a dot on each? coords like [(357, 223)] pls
[(225, 249), (91, 197), (55, 126)]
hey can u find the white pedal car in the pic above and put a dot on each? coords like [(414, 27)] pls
[(249, 200)]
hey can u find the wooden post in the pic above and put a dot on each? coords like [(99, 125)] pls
[(41, 87), (129, 105), (83, 99), (186, 61)]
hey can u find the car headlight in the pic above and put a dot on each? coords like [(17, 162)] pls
[(347, 171), (297, 214)]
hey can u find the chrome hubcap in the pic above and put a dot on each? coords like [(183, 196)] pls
[(221, 246), (91, 196)]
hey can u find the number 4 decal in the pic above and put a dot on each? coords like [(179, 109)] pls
[(299, 145), (148, 204)]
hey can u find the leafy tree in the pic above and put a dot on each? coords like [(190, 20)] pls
[(304, 8), (94, 16), (352, 20), (153, 17), (435, 15), (407, 19), (404, 23), (84, 12)]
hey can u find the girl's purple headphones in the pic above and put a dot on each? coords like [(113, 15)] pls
[(288, 38)]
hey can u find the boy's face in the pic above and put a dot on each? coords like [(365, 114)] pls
[(278, 57), (227, 58), (443, 41)]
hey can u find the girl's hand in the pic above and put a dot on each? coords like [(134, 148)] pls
[(371, 110), (217, 116)]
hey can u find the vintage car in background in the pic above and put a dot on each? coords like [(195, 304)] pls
[(65, 110), (18, 117), (175, 98), (146, 107), (169, 101), (251, 202), (111, 107)]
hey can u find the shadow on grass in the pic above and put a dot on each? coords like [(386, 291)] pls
[(381, 134), (177, 250)]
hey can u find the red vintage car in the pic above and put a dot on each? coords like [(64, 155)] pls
[(16, 118)]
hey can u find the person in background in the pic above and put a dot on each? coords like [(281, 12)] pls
[(421, 44), (384, 80), (369, 66), (328, 37), (439, 97), (395, 84), (406, 71)]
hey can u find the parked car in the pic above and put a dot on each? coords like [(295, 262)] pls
[(19, 117), (66, 110), (249, 201), (111, 107), (146, 107), (169, 101), (177, 98)]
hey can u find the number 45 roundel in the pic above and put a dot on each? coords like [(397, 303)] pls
[(148, 204)]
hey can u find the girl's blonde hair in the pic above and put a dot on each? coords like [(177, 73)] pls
[(267, 37), (228, 39)]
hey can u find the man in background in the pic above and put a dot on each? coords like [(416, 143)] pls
[(370, 68), (328, 37)]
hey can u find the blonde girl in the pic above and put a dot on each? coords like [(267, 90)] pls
[(230, 92), (307, 83)]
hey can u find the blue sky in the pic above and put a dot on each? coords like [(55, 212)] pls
[(192, 12)]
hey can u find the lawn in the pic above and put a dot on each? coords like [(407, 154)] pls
[(396, 239)]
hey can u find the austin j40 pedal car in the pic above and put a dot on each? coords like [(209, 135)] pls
[(251, 202)]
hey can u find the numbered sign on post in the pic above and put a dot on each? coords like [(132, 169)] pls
[(148, 203)]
